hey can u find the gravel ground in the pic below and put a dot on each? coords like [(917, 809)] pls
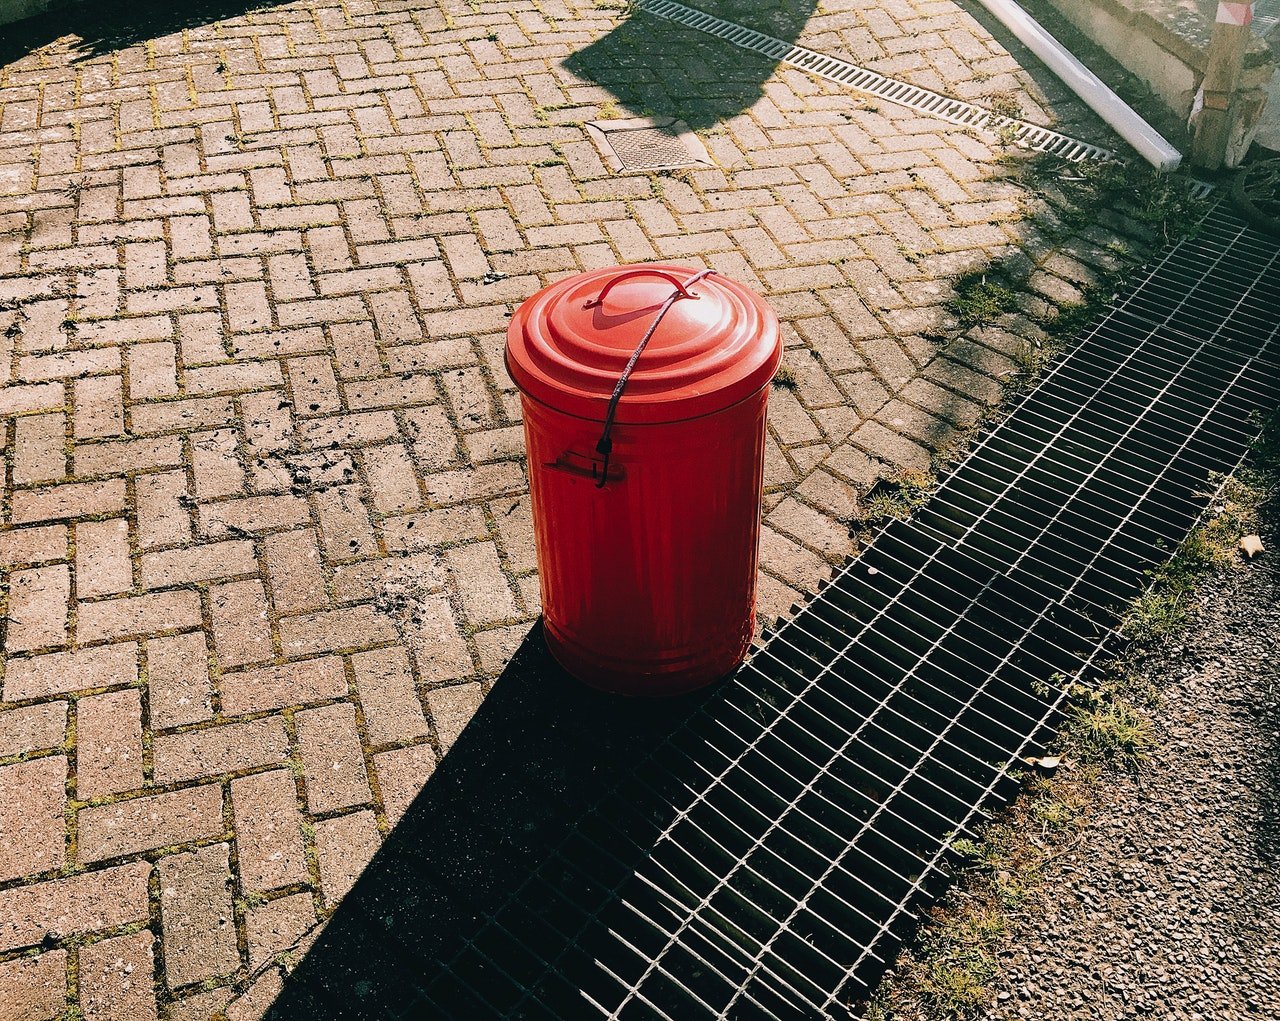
[(1169, 907)]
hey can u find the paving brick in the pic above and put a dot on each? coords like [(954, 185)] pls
[(451, 710), (39, 606), (254, 514), (352, 627), (32, 802), (99, 406), (32, 728), (344, 846), (203, 562), (201, 1005), (57, 673), (277, 687), (332, 759), (314, 388), (108, 743), (215, 751), (72, 500), (216, 465), (812, 528), (392, 710), (436, 643), (33, 545), (39, 449), (34, 988), (241, 631), (152, 370), (345, 529), (102, 558), (268, 831), (276, 926), (832, 495), (393, 483), (162, 518), (141, 824), (118, 457), (402, 773), (180, 690), (372, 579), (791, 562), (14, 400), (83, 903), (486, 596), (294, 571), (897, 450), (138, 615), (115, 978), (195, 909)]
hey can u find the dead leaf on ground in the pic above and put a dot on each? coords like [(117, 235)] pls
[(1251, 545)]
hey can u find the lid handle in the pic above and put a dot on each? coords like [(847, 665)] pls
[(614, 281), (605, 447)]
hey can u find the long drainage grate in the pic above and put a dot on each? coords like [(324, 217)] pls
[(770, 857), (842, 72)]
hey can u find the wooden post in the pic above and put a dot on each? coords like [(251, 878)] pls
[(1213, 117)]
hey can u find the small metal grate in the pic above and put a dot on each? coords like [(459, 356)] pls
[(641, 144), (649, 149), (842, 72), (1266, 16)]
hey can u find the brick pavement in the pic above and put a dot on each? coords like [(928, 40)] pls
[(266, 534)]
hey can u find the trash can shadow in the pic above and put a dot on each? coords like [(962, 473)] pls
[(541, 751)]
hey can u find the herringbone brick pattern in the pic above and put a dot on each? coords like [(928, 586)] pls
[(266, 535)]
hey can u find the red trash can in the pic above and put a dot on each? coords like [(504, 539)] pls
[(644, 391)]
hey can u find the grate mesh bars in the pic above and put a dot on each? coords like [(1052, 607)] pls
[(791, 833)]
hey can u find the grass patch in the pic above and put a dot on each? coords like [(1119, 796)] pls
[(983, 297), (897, 497)]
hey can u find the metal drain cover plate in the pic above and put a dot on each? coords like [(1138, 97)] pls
[(642, 144)]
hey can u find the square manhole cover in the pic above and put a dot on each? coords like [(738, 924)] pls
[(640, 144)]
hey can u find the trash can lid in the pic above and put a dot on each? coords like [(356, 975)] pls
[(566, 348)]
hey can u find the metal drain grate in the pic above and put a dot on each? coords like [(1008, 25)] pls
[(644, 144), (1266, 16), (790, 834), (842, 72), (649, 149)]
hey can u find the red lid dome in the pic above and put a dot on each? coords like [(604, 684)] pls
[(566, 348)]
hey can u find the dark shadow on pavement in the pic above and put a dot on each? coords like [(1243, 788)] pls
[(105, 27), (506, 801), (658, 68)]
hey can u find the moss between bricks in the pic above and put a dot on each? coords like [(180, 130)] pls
[(949, 971)]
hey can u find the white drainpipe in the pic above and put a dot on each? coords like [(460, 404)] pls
[(1087, 85)]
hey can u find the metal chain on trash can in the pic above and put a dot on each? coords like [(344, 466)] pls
[(605, 447)]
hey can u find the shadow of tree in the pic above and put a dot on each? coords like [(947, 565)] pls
[(104, 28), (658, 68), (506, 802)]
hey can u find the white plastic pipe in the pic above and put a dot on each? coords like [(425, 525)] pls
[(1087, 85)]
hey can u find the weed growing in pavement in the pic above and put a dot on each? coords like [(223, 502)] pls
[(1005, 104), (983, 296), (897, 496), (1077, 192), (784, 378)]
